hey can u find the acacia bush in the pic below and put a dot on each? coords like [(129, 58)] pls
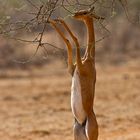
[(121, 28)]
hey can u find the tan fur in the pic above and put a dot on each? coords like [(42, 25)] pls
[(83, 78)]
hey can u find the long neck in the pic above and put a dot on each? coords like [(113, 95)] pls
[(90, 51)]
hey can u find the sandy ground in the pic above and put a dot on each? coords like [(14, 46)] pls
[(35, 103)]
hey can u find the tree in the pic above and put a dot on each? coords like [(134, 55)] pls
[(42, 10)]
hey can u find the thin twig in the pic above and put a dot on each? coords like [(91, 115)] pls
[(32, 4), (65, 7)]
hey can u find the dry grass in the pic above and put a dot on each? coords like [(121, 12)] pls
[(35, 103)]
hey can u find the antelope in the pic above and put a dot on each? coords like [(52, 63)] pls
[(83, 77)]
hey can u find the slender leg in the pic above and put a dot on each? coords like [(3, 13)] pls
[(78, 56), (79, 132), (91, 127), (69, 47)]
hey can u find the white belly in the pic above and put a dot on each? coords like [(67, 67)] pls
[(76, 100)]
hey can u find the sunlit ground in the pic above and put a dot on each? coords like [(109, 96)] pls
[(35, 103)]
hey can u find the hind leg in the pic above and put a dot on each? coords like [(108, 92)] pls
[(91, 127), (79, 132)]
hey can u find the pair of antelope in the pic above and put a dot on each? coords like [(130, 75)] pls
[(83, 78)]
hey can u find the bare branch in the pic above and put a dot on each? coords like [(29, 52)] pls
[(45, 11), (32, 4)]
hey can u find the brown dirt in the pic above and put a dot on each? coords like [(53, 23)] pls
[(35, 103)]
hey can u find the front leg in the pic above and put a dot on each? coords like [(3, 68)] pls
[(78, 56), (69, 47)]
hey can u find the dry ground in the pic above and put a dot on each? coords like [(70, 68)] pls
[(35, 103)]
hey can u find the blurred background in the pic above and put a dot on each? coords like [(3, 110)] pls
[(35, 84)]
